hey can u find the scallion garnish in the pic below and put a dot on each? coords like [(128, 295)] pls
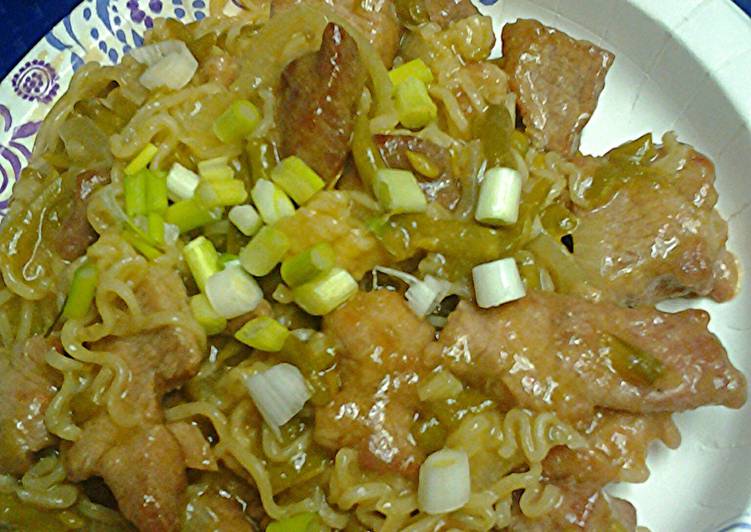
[(246, 219), (82, 291), (190, 214), (308, 265), (263, 333), (271, 201), (238, 121), (202, 259), (141, 160), (206, 316), (297, 179), (326, 292), (398, 192), (264, 251)]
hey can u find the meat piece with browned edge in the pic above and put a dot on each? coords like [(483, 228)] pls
[(27, 385), (443, 186), (444, 12), (319, 98), (377, 21), (556, 352), (557, 80), (144, 466), (659, 235), (75, 234), (381, 343)]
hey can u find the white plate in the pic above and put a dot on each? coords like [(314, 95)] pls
[(680, 64)]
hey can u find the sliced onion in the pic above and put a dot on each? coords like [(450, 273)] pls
[(151, 53), (279, 393), (444, 484), (423, 296), (174, 70)]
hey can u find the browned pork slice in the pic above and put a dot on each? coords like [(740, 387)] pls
[(444, 12), (658, 236), (583, 507), (146, 474), (27, 385), (557, 80), (441, 185), (144, 466), (616, 451), (381, 343), (561, 353), (320, 92), (377, 21), (75, 234)]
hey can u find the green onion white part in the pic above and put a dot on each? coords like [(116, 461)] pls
[(444, 483), (238, 121), (221, 192), (423, 297), (500, 194), (246, 219), (497, 282), (439, 387), (271, 201), (181, 182), (414, 106), (308, 265), (232, 292), (398, 191), (415, 69), (279, 393)]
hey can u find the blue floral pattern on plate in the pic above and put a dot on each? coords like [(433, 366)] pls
[(96, 30)]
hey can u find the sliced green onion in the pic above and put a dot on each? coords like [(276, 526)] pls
[(305, 522), (263, 333), (238, 121), (439, 387), (308, 265), (190, 214), (414, 106), (228, 258), (297, 179), (423, 297), (221, 192), (279, 393), (202, 259), (232, 292), (632, 363), (134, 188), (156, 227), (398, 191), (246, 219), (215, 168), (500, 195), (141, 160), (271, 201), (264, 251), (181, 182), (282, 294), (422, 164), (326, 292), (141, 244), (206, 316), (412, 69), (82, 291), (444, 484), (497, 282), (156, 192)]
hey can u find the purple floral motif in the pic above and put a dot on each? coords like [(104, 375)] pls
[(15, 153), (139, 16), (36, 81)]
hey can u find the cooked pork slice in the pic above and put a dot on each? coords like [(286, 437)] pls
[(319, 98), (441, 185), (583, 507), (27, 385), (616, 451), (377, 21), (444, 12), (381, 343), (144, 466), (557, 80), (659, 235), (570, 355), (146, 473), (75, 234)]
